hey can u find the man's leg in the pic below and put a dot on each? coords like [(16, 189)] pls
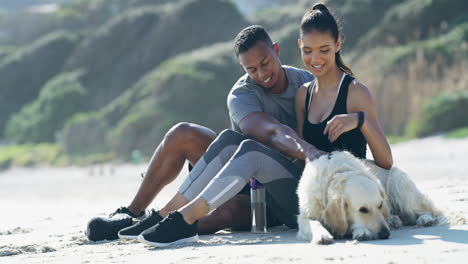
[(234, 214), (182, 142)]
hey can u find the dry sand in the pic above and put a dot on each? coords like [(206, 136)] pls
[(44, 212)]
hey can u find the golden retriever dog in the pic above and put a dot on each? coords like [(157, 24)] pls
[(340, 195)]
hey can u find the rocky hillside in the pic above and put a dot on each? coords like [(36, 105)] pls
[(111, 76)]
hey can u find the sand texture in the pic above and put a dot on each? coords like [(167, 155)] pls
[(44, 213)]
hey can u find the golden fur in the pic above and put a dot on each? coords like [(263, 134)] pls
[(340, 195)]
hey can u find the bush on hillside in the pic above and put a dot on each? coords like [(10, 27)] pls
[(450, 48), (194, 92), (41, 120), (276, 18), (414, 20), (28, 155), (132, 44), (443, 113), (5, 51), (358, 16), (191, 87), (85, 134), (289, 51), (20, 27), (91, 14), (25, 71)]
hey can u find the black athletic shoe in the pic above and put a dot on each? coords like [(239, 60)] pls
[(133, 231), (100, 228), (171, 230)]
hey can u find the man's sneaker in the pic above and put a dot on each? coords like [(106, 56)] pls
[(133, 231), (171, 230), (100, 228)]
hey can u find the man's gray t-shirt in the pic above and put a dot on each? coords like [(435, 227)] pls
[(247, 97)]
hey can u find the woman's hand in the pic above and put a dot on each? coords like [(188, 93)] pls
[(340, 124)]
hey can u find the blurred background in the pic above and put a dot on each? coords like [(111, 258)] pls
[(90, 81)]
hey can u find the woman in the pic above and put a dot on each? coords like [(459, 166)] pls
[(335, 111)]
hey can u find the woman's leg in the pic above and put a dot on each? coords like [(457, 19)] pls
[(234, 214), (275, 171), (252, 159)]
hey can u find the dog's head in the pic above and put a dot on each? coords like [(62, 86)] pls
[(366, 209), (357, 205)]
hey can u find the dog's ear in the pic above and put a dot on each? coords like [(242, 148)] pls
[(335, 216), (385, 209)]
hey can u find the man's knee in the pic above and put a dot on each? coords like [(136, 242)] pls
[(181, 129), (188, 132)]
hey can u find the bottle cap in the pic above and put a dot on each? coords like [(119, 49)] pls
[(255, 184)]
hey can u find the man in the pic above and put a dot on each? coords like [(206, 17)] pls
[(261, 106)]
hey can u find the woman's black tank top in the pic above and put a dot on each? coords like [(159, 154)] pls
[(352, 141)]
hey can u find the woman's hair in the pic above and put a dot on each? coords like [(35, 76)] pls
[(320, 19)]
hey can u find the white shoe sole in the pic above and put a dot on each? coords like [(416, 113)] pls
[(127, 237), (180, 241)]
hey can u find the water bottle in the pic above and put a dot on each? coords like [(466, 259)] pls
[(258, 207)]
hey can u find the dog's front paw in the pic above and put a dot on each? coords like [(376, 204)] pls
[(425, 220), (362, 234), (322, 239), (394, 222)]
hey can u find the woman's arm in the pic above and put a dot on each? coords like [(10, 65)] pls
[(360, 99), (300, 109)]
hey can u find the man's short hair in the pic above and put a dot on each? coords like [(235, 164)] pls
[(248, 37)]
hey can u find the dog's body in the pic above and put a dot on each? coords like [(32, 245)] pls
[(342, 195)]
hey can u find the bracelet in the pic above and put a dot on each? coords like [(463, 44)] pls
[(360, 119)]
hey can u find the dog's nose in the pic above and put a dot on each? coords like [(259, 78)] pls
[(384, 233)]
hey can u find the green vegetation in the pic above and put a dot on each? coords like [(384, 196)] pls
[(5, 51), (84, 135), (41, 120), (458, 133), (277, 18), (46, 154), (413, 19), (29, 155), (398, 139), (114, 60), (451, 47), (22, 73), (443, 113), (102, 78), (175, 88)]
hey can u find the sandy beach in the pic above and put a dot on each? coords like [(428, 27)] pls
[(44, 213)]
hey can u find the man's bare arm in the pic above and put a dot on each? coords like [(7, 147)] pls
[(267, 130)]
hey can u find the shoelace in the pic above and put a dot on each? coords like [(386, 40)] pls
[(121, 210), (167, 221), (152, 213)]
